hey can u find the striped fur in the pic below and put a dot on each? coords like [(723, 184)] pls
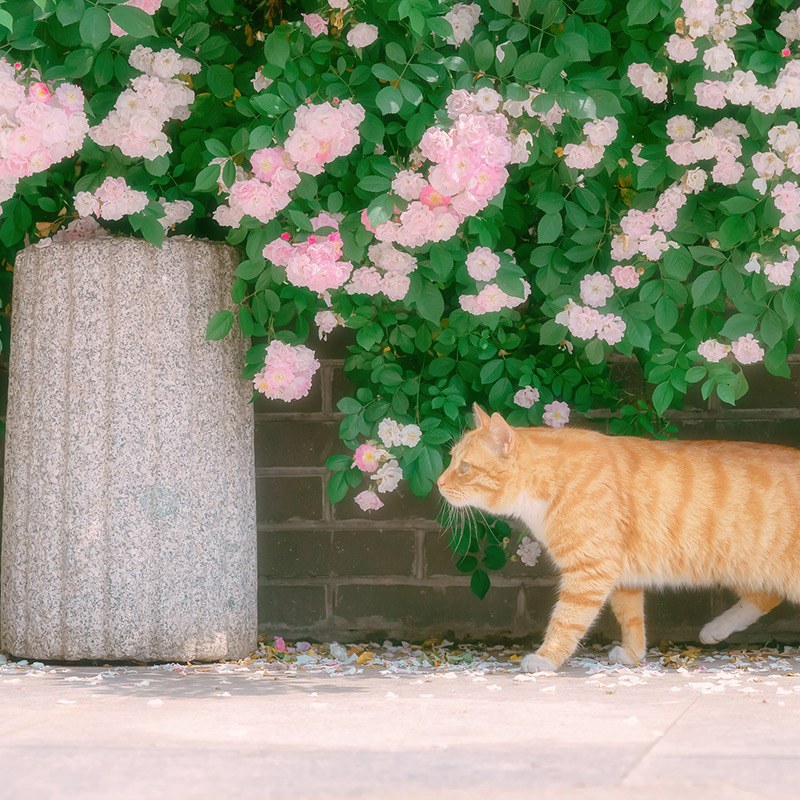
[(618, 515)]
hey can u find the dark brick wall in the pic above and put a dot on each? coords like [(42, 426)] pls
[(328, 572)]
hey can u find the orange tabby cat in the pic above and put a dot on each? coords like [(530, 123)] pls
[(618, 515)]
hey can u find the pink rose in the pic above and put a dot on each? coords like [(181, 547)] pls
[(316, 23)]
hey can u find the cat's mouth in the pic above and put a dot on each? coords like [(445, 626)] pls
[(459, 501)]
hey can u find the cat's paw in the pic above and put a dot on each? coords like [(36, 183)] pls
[(536, 663), (713, 632), (619, 655)]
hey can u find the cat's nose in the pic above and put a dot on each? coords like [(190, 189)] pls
[(440, 480)]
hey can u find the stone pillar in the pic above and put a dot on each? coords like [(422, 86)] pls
[(129, 526)]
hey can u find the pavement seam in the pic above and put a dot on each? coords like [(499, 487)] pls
[(658, 741)]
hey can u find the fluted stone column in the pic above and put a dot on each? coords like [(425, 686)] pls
[(129, 527)]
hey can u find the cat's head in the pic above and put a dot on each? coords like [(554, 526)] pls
[(482, 468)]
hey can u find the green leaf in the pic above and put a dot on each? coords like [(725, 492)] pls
[(738, 205), (95, 26), (219, 326), (68, 12), (676, 263), (384, 72), (467, 564), (492, 371), (133, 21), (374, 183), (739, 325), (707, 256), (484, 54), (651, 174), (380, 210), (594, 352), (640, 12), (480, 583), (411, 92), (337, 486), (549, 228), (706, 288), (494, 557), (440, 26), (552, 333), (276, 49), (220, 82), (662, 397), (696, 374), (573, 45), (389, 100), (427, 298), (666, 313)]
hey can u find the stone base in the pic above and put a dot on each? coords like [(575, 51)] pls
[(129, 527)]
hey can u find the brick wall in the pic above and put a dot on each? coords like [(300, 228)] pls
[(329, 572)]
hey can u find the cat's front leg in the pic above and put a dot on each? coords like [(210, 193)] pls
[(583, 590)]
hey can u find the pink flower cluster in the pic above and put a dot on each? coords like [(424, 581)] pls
[(556, 414), (148, 6), (784, 141), (463, 17), (113, 199), (625, 276), (38, 126), (704, 19), (549, 119), (587, 323), (264, 194), (368, 457), (80, 229), (589, 153), (175, 212), (786, 197), (638, 234), (135, 124), (745, 349), (482, 264), (382, 467), (721, 143), (469, 169), (778, 273), (526, 397), (315, 263), (362, 34), (491, 298), (653, 84), (326, 321), (321, 133), (596, 289), (389, 275), (287, 373)]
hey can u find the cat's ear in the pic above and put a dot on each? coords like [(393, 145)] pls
[(502, 433), (482, 419)]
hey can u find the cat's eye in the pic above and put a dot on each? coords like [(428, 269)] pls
[(463, 468)]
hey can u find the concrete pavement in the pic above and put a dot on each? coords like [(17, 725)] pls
[(379, 723)]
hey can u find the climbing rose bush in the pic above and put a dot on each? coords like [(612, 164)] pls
[(494, 201)]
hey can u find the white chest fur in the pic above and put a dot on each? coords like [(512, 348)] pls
[(533, 513)]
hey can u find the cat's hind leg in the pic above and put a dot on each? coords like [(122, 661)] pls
[(628, 608), (750, 607)]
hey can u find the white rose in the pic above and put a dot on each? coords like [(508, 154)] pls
[(410, 435)]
